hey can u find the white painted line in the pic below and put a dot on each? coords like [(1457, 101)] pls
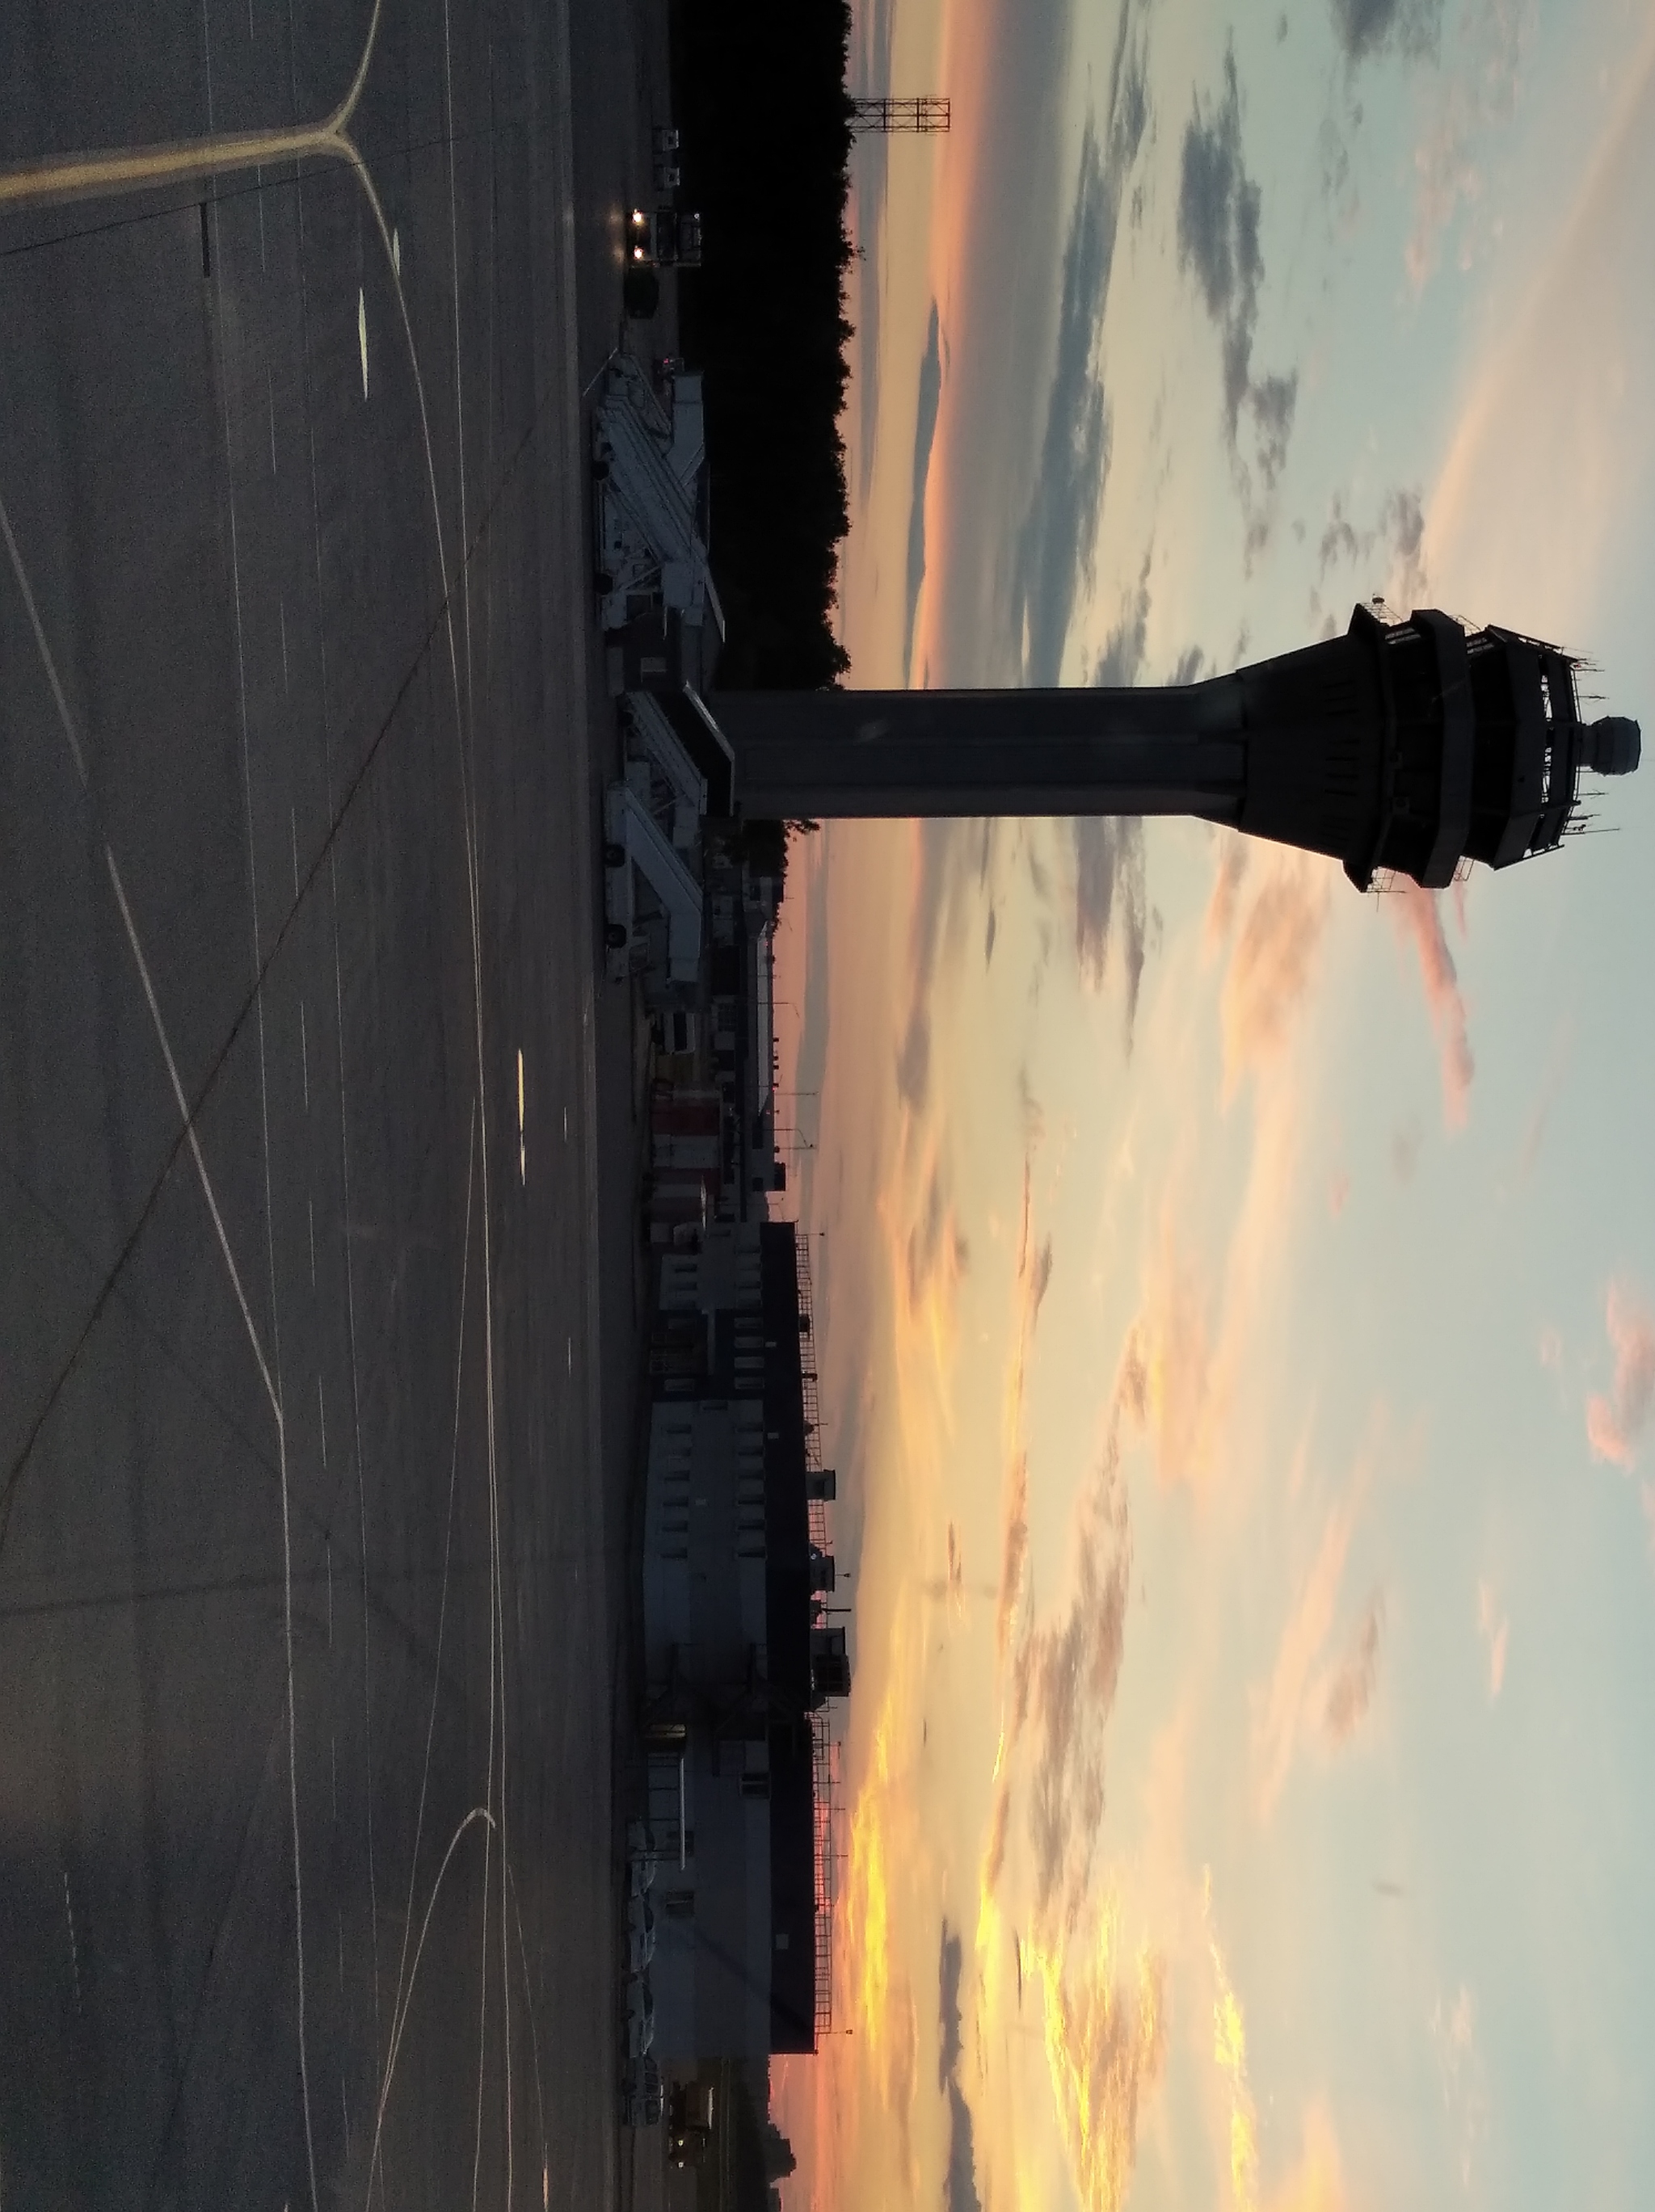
[(396, 250), (190, 1134), (522, 1155), (361, 336), (304, 1054), (36, 625), (74, 1948)]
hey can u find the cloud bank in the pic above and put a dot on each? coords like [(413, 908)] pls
[(1110, 885), (1366, 28), (1055, 547), (959, 2188), (1219, 209)]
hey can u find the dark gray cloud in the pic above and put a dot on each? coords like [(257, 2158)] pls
[(1219, 210), (1404, 519), (1366, 27), (960, 2191), (1066, 1682), (944, 856), (1389, 548), (913, 1059), (1339, 540), (949, 1966), (1187, 668), (1054, 546), (1110, 889), (959, 2185), (1040, 1282), (1273, 400), (1121, 661), (925, 431), (1111, 895)]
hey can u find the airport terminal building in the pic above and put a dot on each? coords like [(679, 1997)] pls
[(741, 1657)]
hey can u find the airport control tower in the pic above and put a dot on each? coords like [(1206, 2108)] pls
[(1405, 747)]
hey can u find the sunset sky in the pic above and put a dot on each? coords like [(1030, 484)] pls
[(1237, 1339)]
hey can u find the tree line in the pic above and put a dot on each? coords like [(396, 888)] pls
[(759, 98)]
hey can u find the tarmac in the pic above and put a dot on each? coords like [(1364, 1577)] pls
[(318, 1298)]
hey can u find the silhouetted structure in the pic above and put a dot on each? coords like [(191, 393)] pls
[(904, 115), (1405, 746)]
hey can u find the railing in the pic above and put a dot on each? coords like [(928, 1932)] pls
[(819, 1527), (823, 1779), (822, 1784)]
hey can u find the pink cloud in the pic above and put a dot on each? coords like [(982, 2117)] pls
[(1275, 957), (1615, 1420), (1420, 918), (1227, 887)]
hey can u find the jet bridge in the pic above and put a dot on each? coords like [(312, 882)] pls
[(635, 838), (647, 465)]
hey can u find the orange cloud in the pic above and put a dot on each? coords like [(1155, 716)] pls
[(1227, 887), (1062, 1694), (1615, 1421), (1317, 2183), (1230, 2055), (1419, 917), (1105, 2045)]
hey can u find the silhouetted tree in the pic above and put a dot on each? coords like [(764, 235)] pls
[(759, 96)]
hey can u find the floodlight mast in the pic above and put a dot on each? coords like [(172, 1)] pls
[(1402, 747)]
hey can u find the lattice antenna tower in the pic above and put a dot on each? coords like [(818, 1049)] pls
[(923, 114)]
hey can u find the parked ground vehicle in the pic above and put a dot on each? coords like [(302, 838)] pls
[(665, 238), (642, 2100), (640, 1933), (640, 2016), (689, 2122)]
